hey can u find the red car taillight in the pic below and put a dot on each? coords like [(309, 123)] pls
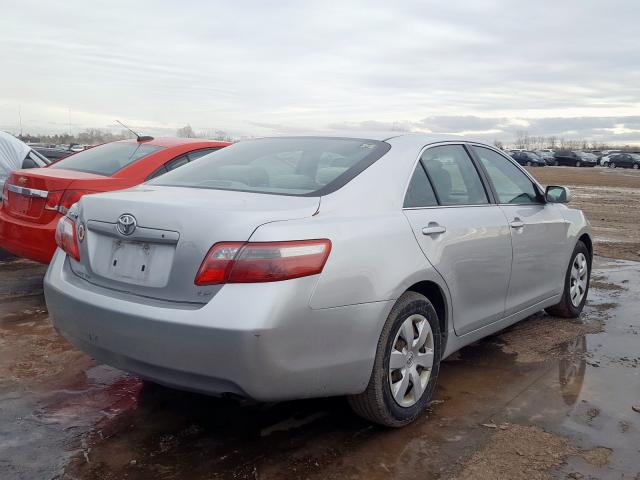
[(61, 201), (66, 237), (251, 262)]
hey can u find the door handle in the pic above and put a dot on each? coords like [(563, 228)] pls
[(433, 230), (517, 224)]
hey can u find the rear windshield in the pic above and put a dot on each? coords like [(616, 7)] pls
[(305, 166), (106, 159)]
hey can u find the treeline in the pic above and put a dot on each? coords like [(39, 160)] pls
[(188, 132), (91, 136), (95, 136), (533, 142)]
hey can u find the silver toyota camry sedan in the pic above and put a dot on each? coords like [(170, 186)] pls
[(284, 268)]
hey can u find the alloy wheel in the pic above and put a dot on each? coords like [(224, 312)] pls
[(579, 278), (411, 360)]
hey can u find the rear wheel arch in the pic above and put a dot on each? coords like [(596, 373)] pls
[(436, 296)]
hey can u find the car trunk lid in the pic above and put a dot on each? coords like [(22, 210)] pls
[(151, 240), (33, 194)]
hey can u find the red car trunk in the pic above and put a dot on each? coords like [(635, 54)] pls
[(40, 195)]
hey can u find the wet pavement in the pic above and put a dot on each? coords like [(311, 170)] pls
[(549, 398)]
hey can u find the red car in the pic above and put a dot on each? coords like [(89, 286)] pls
[(34, 200)]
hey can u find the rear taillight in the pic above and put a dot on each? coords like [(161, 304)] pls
[(251, 262), (61, 201), (66, 237)]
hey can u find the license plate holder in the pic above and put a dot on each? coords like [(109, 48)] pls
[(131, 261), (21, 204)]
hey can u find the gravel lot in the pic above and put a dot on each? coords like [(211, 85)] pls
[(547, 398)]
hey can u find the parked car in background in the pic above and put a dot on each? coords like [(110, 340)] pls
[(546, 150), (15, 155), (546, 155), (264, 274), (53, 153), (574, 158), (625, 160), (606, 156), (589, 157), (34, 200), (528, 158)]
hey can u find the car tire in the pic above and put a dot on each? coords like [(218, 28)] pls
[(612, 164), (636, 166), (566, 308), (578, 163), (555, 163), (528, 164), (378, 403)]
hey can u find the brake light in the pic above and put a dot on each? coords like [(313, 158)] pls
[(66, 237), (62, 200), (253, 262)]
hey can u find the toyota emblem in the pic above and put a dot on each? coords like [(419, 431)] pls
[(126, 224), (81, 232)]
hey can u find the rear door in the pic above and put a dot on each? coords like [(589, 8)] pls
[(538, 232), (462, 233), (624, 160)]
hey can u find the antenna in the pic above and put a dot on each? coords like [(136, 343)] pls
[(140, 138)]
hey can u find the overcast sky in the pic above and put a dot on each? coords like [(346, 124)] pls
[(484, 69)]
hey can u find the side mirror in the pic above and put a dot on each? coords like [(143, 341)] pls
[(555, 194)]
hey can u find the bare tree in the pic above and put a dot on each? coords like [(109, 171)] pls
[(498, 144), (186, 132), (521, 138)]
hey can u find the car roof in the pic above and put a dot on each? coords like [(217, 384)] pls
[(176, 141), (382, 135)]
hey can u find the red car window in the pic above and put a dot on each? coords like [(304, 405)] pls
[(107, 159)]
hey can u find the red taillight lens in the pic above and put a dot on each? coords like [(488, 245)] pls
[(61, 201), (66, 237), (237, 262), (53, 200)]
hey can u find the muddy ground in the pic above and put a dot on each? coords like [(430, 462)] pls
[(611, 200), (547, 398)]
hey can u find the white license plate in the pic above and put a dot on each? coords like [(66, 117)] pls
[(131, 261)]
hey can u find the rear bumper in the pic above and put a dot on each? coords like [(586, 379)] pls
[(27, 239), (261, 341)]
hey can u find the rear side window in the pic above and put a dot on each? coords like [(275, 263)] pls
[(453, 175), (107, 159), (287, 166), (177, 162), (420, 193), (201, 153)]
